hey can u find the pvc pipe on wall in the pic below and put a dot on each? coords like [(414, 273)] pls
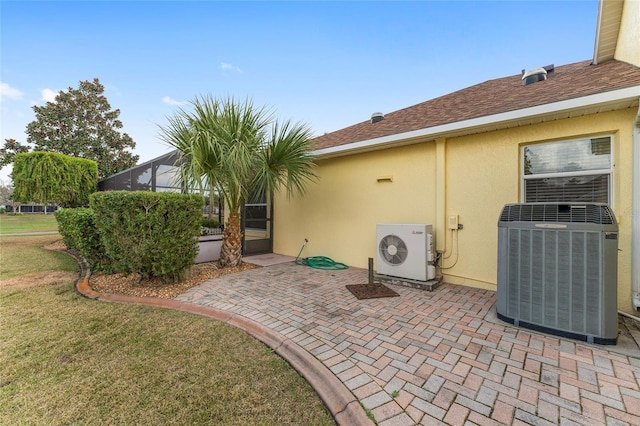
[(441, 196), (635, 215)]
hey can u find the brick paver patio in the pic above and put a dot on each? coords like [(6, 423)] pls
[(432, 357)]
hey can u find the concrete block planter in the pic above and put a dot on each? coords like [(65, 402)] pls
[(209, 248)]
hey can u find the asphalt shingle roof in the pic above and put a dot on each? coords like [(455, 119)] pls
[(492, 97)]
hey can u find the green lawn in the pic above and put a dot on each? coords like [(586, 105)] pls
[(10, 224), (69, 360), (20, 256)]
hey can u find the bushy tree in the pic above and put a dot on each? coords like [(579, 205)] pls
[(9, 151), (239, 150), (49, 177), (6, 191), (80, 123), (6, 196)]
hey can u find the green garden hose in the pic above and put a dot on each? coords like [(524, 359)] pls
[(319, 262)]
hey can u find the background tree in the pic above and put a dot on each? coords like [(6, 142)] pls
[(240, 150), (80, 123), (49, 177), (5, 192), (9, 150), (6, 196)]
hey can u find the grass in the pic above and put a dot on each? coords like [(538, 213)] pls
[(20, 256), (69, 360), (10, 224)]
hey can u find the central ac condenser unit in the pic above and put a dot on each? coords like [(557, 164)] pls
[(405, 251), (557, 269)]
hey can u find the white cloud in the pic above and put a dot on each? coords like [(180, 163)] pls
[(224, 66), (48, 95), (8, 92), (168, 100)]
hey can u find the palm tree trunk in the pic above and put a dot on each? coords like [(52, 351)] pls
[(231, 252), (212, 204)]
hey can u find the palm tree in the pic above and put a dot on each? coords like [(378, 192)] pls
[(239, 149)]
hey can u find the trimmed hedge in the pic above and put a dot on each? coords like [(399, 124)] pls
[(149, 233), (79, 232)]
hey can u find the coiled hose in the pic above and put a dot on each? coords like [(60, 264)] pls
[(321, 262)]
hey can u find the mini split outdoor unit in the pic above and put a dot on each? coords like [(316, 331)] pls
[(557, 269), (405, 251)]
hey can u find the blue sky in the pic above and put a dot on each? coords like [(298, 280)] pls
[(329, 64)]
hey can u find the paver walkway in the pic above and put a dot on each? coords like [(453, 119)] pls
[(432, 357)]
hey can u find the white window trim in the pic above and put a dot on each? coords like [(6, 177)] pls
[(608, 171)]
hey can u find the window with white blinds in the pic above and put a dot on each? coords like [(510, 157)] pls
[(568, 171)]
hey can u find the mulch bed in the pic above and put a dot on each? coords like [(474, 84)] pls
[(133, 285), (371, 291)]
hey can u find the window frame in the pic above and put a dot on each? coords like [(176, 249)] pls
[(596, 172)]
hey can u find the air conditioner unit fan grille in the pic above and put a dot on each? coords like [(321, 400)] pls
[(393, 250)]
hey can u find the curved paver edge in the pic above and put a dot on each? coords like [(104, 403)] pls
[(341, 403)]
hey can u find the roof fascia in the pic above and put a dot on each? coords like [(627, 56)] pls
[(596, 44), (626, 94)]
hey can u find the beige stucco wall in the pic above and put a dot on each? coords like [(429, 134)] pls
[(481, 172), (339, 214), (628, 46)]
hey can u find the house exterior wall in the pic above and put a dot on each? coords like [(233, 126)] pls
[(627, 49), (481, 173), (484, 173), (338, 215)]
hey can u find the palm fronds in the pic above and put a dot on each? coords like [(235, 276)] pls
[(240, 149)]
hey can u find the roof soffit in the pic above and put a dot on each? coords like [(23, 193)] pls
[(607, 30)]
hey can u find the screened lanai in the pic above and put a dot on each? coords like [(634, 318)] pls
[(162, 174), (158, 175)]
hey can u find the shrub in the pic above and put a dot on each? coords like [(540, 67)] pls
[(210, 223), (67, 227), (152, 234), (210, 227), (79, 232)]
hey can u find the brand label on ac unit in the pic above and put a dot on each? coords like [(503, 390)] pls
[(550, 225)]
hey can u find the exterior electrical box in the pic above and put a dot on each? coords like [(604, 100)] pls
[(558, 269), (453, 222)]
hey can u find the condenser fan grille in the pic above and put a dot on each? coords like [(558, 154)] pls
[(393, 250)]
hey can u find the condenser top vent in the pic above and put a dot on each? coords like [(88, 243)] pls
[(558, 212)]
